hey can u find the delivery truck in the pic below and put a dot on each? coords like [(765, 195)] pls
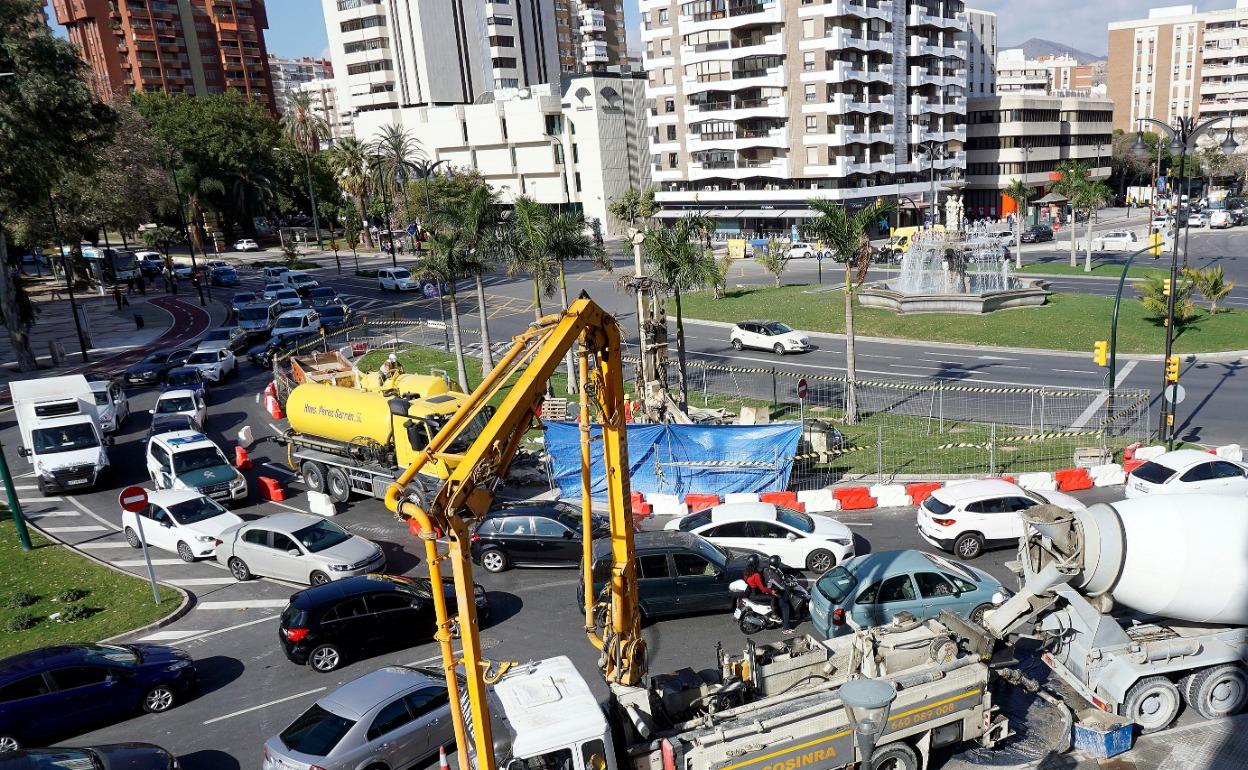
[(62, 437)]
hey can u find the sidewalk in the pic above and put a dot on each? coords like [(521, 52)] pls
[(1215, 745)]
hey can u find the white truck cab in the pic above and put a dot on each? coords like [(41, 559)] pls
[(554, 718), (61, 433)]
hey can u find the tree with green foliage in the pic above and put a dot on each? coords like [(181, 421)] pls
[(444, 262), (1212, 284), (349, 159), (306, 130), (849, 236), (678, 262), (397, 152), (1073, 176), (774, 258), (569, 239), (1020, 194), (633, 207), (1089, 197), (162, 239), (1153, 297), (526, 249)]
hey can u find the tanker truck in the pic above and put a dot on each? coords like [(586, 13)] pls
[(1142, 605), (346, 441)]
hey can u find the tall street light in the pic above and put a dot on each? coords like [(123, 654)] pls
[(1183, 136), (934, 150)]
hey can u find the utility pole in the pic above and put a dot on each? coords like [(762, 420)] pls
[(15, 505)]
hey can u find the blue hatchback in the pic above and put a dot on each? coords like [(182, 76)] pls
[(54, 692), (186, 378), (870, 589)]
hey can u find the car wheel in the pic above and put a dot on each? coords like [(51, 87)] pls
[(337, 485), (737, 344), (185, 553), (132, 538), (820, 561), (324, 658), (977, 614), (894, 756), (494, 560), (1219, 691), (778, 349), (314, 476), (968, 546), (1152, 703), (318, 578), (8, 743), (239, 569), (159, 699)]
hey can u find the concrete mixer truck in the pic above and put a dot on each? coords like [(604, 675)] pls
[(1142, 604), (346, 441)]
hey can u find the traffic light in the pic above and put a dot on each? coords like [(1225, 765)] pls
[(1154, 243), (1100, 352), (1172, 369), (1165, 290)]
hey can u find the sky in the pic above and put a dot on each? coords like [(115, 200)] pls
[(297, 27)]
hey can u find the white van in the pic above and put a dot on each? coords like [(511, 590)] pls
[(396, 279), (295, 322), (299, 281), (61, 435)]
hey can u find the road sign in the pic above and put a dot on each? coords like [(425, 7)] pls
[(1175, 393), (411, 229), (801, 388), (133, 499)]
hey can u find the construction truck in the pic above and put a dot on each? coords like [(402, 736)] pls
[(352, 442), (882, 697), (1142, 605)]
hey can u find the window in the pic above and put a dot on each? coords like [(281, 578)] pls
[(812, 156), (499, 21), (594, 755), (555, 760), (79, 676), (284, 543), (256, 537), (503, 41), (812, 124), (812, 92), (1202, 472), (372, 66), (767, 531), (654, 566), (669, 105), (27, 687), (692, 565), (543, 527), (731, 529), (962, 584), (993, 505), (351, 25), (389, 602), (515, 525), (932, 585), (808, 61), (425, 700), (391, 717), (671, 133), (897, 589), (1225, 470), (662, 15), (808, 28), (316, 732), (672, 159), (351, 608), (501, 62)]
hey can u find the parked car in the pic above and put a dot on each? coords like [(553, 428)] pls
[(246, 244), (169, 423), (288, 299), (296, 321), (801, 540), (327, 625), (804, 250), (215, 364), (186, 402), (1186, 471), (396, 279), (531, 535), (186, 378), (151, 370), (964, 519), (678, 572), (394, 717), (108, 756), (182, 521), (262, 355), (298, 547), (231, 337), (1220, 220), (224, 276), (273, 273), (1037, 234), (1117, 240), (777, 337), (270, 291), (872, 588), (52, 692), (192, 461), (1197, 219)]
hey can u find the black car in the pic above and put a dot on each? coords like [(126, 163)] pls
[(324, 626), (543, 535), (262, 354), (67, 689), (110, 756), (230, 336), (678, 573), (324, 294), (334, 314), (169, 423), (154, 366), (1037, 233)]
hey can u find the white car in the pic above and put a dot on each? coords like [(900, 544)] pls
[(179, 520), (1163, 222), (186, 402), (1221, 219), (964, 519), (295, 322), (777, 337), (1197, 219), (287, 298), (801, 540), (1117, 240), (396, 279), (183, 270), (111, 405), (246, 244), (1001, 237), (273, 273), (214, 363), (1186, 471), (803, 250)]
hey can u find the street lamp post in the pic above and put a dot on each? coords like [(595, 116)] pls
[(1183, 136), (934, 150)]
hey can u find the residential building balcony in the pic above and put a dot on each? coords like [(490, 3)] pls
[(768, 77), (922, 17), (735, 13), (594, 51), (754, 45), (738, 108), (739, 139), (592, 20), (739, 168), (862, 9)]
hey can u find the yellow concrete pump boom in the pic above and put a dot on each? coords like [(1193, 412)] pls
[(466, 495)]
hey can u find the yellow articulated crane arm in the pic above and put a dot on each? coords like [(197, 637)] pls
[(466, 495)]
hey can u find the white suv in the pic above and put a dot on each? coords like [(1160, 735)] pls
[(768, 335), (296, 322), (964, 519), (214, 362), (187, 459), (396, 279)]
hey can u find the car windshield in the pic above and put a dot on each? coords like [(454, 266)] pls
[(184, 378), (316, 732), (197, 509), (322, 535), (203, 357), (155, 358), (66, 438), (197, 459), (109, 653), (400, 274), (101, 398), (290, 322), (253, 314), (779, 328), (1153, 473), (175, 404), (302, 279), (694, 521), (836, 584), (170, 424), (795, 520), (932, 505), (217, 334)]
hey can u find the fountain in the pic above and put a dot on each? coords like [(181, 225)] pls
[(958, 270)]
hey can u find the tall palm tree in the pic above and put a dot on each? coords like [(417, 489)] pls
[(443, 262), (679, 263), (398, 153), (1072, 176), (568, 238), (349, 158), (526, 249), (1020, 193), (1090, 196), (850, 236), (306, 130), (480, 221)]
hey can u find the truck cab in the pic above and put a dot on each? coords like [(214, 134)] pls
[(62, 437), (555, 719), (190, 460)]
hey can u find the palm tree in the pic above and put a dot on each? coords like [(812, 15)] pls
[(306, 130), (526, 249), (350, 161), (1073, 175), (568, 238), (633, 206), (1090, 196), (1212, 284), (849, 235), (1020, 193), (443, 262), (679, 263), (480, 222), (398, 153)]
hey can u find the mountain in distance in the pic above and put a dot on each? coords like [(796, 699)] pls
[(1037, 47)]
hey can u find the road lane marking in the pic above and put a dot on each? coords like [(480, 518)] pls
[(102, 546), (217, 581), (25, 487), (1074, 371), (83, 528), (1093, 407), (37, 500), (227, 629), (243, 605), (92, 514), (52, 514), (169, 636), (240, 712), (141, 562)]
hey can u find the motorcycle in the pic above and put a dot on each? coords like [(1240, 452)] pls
[(754, 615)]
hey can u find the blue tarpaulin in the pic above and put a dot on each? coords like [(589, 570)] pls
[(681, 459)]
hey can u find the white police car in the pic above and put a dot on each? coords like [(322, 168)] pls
[(188, 459)]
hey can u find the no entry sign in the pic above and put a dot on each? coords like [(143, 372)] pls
[(133, 499), (801, 388)]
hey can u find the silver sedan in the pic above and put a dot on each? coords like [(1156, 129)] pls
[(298, 547)]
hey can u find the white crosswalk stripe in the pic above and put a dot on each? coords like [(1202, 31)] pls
[(170, 636), (103, 546), (213, 581), (83, 528), (250, 604), (52, 514), (141, 563)]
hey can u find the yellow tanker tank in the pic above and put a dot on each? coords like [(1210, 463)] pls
[(406, 385), (340, 414)]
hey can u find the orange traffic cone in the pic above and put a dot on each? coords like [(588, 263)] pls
[(442, 763), (242, 460)]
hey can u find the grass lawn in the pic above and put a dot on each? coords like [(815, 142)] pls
[(1099, 268), (116, 602), (1066, 322)]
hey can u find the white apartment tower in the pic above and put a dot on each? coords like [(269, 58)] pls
[(981, 52), (761, 105)]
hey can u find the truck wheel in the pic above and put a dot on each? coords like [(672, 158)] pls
[(894, 756), (1216, 692), (314, 476), (337, 485), (1152, 703), (968, 546)]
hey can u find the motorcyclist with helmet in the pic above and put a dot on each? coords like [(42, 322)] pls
[(777, 585)]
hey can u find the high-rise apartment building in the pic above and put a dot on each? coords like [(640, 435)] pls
[(1016, 74), (188, 46), (591, 35), (323, 100), (760, 105), (981, 52), (1179, 62), (288, 74)]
